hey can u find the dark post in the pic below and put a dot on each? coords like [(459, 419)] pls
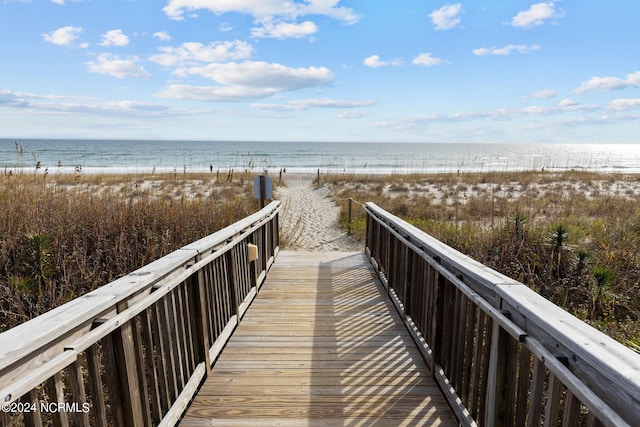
[(318, 178), (262, 191), (349, 210)]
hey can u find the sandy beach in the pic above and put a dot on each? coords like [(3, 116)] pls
[(309, 218)]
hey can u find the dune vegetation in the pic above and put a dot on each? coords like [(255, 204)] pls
[(64, 235), (574, 237)]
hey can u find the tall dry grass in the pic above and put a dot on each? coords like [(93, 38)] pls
[(64, 235), (574, 237)]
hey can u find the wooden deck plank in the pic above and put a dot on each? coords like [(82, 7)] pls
[(320, 345)]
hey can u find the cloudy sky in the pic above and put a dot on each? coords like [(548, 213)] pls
[(321, 70)]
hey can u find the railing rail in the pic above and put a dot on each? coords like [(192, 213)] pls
[(133, 352), (502, 354)]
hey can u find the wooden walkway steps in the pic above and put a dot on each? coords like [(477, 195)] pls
[(321, 345)]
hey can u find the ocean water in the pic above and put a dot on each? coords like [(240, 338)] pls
[(117, 156)]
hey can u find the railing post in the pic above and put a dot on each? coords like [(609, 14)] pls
[(232, 281), (56, 395), (437, 320), (367, 234), (265, 243), (198, 306), (127, 373), (273, 230), (495, 413)]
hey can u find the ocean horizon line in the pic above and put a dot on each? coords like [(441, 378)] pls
[(175, 156)]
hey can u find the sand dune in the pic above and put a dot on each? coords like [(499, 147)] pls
[(310, 217)]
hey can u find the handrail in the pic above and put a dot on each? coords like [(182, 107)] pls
[(134, 351), (502, 354)]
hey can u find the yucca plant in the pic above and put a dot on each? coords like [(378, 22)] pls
[(582, 256), (39, 262), (603, 276), (558, 239)]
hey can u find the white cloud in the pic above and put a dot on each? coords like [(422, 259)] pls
[(426, 59), (263, 8), (285, 30), (566, 110), (83, 105), (162, 35), (61, 2), (330, 103), (175, 9), (63, 36), (447, 17), (193, 53), (352, 115), (609, 83), (114, 38), (275, 107), (536, 109), (502, 51), (225, 27), (305, 104), (214, 93), (263, 74), (544, 94), (536, 15), (115, 66), (247, 80), (12, 99), (329, 8), (374, 61), (624, 104), (568, 103)]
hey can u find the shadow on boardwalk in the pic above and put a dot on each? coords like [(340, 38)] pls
[(321, 345)]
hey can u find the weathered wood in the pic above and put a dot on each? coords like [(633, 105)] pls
[(320, 341), (174, 414), (524, 377), (554, 397), (161, 358), (96, 390), (150, 366), (600, 373), (199, 319), (79, 396), (136, 334), (127, 373), (571, 414), (141, 373), (537, 391), (5, 418), (475, 387), (55, 391), (496, 412), (31, 418), (111, 379)]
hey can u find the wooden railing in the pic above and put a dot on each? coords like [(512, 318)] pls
[(502, 354), (133, 352)]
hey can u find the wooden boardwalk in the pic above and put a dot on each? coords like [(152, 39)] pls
[(321, 345)]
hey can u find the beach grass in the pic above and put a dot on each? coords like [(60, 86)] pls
[(573, 236), (64, 235)]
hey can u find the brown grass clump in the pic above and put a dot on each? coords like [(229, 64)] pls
[(574, 237), (64, 235)]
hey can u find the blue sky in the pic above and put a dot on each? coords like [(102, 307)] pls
[(321, 70)]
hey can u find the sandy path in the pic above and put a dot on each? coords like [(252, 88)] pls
[(310, 217)]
